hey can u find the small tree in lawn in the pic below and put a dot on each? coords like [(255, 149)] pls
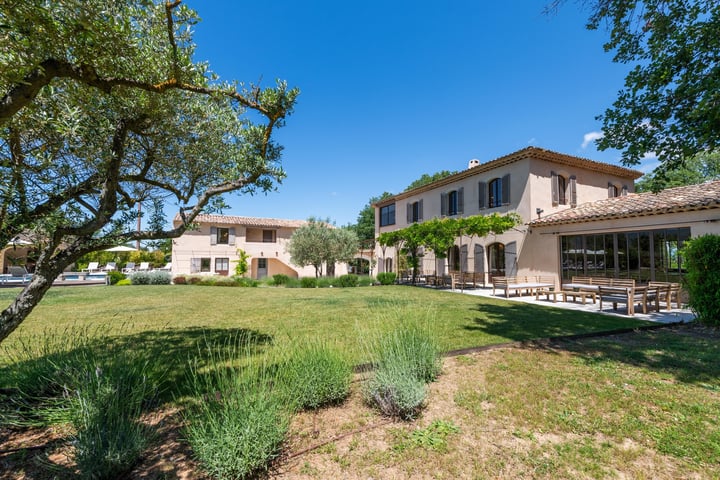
[(308, 245), (343, 245)]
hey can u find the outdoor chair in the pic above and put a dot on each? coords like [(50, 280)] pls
[(144, 267), (92, 267), (129, 267), (167, 267), (19, 272), (110, 266)]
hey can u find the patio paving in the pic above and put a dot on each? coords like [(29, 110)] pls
[(663, 316)]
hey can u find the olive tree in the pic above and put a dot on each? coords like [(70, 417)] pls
[(102, 107), (318, 242)]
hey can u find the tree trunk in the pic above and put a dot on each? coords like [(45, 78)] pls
[(12, 316)]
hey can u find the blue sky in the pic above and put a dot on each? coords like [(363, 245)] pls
[(395, 89)]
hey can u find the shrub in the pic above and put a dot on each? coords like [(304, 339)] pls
[(151, 278), (405, 358), (395, 393), (702, 280), (314, 375), (194, 280), (238, 426), (308, 282), (280, 279), (326, 282), (386, 278), (124, 282), (60, 378), (365, 281), (246, 282), (349, 280), (180, 280), (114, 276), (226, 282), (207, 281), (109, 398)]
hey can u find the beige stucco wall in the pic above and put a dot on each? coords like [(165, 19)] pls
[(196, 244), (530, 189)]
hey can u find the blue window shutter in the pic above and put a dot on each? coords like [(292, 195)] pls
[(409, 215), (443, 204), (482, 195), (213, 235), (420, 210), (460, 200)]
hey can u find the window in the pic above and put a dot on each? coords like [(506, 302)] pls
[(495, 193), (222, 236), (268, 236), (498, 192), (496, 259), (199, 265), (415, 212), (451, 203), (387, 215), (563, 190), (612, 190), (222, 266), (562, 185)]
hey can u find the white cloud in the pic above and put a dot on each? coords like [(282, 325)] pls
[(532, 141), (590, 137)]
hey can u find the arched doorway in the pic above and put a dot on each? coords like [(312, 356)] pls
[(496, 260), (454, 259)]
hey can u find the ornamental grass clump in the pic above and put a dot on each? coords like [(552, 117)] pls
[(314, 374), (238, 421), (405, 358), (106, 406), (76, 378)]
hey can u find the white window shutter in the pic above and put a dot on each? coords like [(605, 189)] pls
[(573, 191), (231, 236), (213, 235), (555, 189)]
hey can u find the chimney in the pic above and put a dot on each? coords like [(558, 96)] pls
[(473, 163)]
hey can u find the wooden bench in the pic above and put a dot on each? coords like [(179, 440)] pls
[(521, 285), (666, 291)]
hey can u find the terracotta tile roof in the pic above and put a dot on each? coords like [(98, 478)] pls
[(525, 153), (247, 221), (679, 199)]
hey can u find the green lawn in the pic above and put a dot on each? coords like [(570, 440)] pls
[(171, 319)]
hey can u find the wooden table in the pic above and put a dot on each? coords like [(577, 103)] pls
[(577, 293)]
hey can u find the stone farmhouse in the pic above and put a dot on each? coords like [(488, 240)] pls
[(212, 249), (580, 217)]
